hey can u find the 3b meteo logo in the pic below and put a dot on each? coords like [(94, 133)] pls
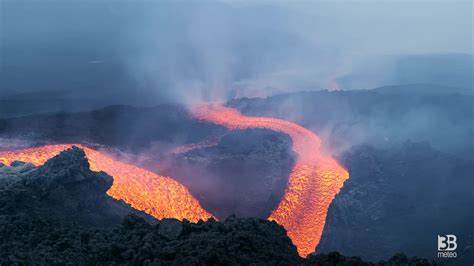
[(447, 246)]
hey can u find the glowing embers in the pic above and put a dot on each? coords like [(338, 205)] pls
[(159, 196), (313, 183)]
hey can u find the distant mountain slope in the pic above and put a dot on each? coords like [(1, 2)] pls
[(120, 126), (380, 117), (426, 89), (443, 69), (23, 104)]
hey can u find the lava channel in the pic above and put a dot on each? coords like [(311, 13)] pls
[(159, 196), (312, 185)]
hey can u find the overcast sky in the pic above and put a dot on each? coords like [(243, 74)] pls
[(216, 49)]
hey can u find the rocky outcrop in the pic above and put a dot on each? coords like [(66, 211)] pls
[(63, 189), (399, 200), (234, 241), (245, 173)]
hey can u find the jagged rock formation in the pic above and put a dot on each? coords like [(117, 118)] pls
[(234, 241), (64, 189)]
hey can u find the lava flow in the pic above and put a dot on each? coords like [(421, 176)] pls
[(313, 183), (159, 196)]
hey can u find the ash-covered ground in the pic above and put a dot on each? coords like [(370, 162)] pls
[(59, 213)]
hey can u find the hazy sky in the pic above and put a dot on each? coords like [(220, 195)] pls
[(424, 26), (207, 50)]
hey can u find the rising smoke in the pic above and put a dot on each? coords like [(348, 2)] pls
[(216, 51), (195, 51)]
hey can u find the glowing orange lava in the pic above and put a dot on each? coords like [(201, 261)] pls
[(159, 196), (313, 183)]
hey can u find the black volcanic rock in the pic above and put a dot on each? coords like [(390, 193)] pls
[(64, 189), (334, 258), (232, 242), (399, 200), (245, 173)]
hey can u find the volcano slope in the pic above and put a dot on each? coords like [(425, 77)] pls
[(399, 200), (59, 213), (409, 154), (157, 129)]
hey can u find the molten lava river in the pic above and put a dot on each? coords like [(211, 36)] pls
[(159, 196), (312, 185)]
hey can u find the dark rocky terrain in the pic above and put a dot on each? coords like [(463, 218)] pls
[(399, 200), (60, 213), (131, 129), (45, 219), (63, 189), (245, 173)]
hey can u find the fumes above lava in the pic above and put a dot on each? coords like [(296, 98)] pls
[(312, 185)]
